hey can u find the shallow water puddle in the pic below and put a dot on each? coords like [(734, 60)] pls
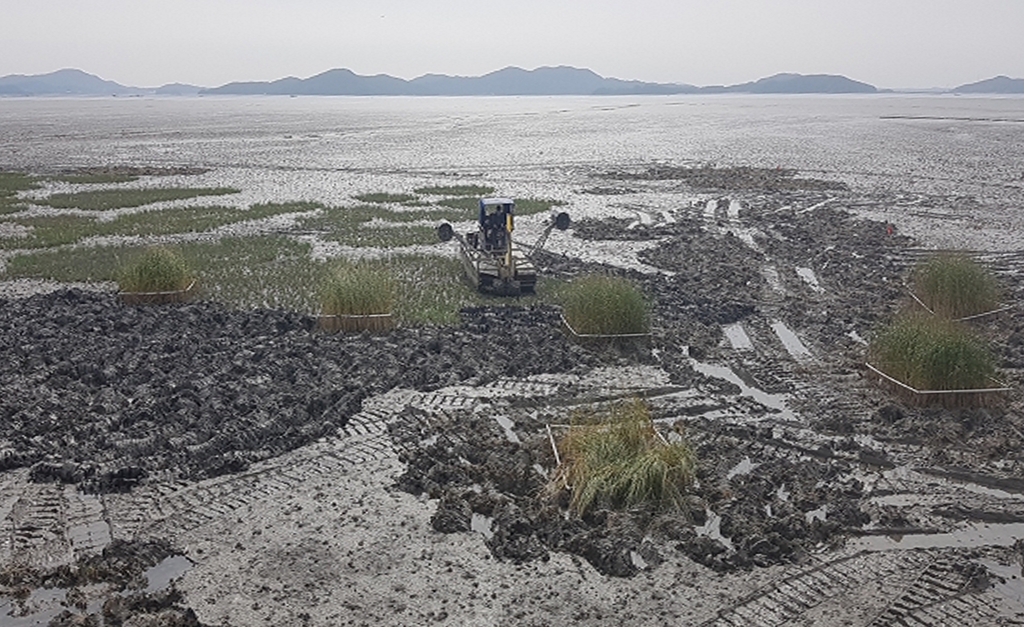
[(482, 525), (734, 209), (817, 514), (508, 426), (712, 529), (1012, 586), (810, 279), (856, 337), (710, 208), (772, 401), (789, 339), (737, 336), (167, 571), (743, 468), (971, 536), (771, 277)]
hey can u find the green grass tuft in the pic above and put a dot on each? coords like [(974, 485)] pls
[(955, 286), (928, 353), (599, 304), (615, 459), (104, 199), (456, 190), (158, 269)]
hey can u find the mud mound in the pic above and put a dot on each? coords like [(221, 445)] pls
[(731, 521), (731, 178), (105, 395)]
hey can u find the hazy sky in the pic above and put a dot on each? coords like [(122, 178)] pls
[(146, 43)]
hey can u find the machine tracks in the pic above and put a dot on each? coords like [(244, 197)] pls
[(930, 588)]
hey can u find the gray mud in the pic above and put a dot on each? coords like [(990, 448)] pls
[(403, 478)]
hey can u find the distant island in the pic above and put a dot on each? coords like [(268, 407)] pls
[(997, 85), (510, 81)]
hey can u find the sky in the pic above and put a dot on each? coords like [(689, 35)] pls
[(147, 43)]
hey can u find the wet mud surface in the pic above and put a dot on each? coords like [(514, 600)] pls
[(404, 477)]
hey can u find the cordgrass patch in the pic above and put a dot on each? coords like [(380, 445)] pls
[(929, 353), (358, 296), (615, 459), (954, 286), (157, 269), (105, 199), (604, 305)]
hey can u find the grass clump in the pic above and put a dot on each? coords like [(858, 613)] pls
[(104, 199), (158, 269), (616, 460), (358, 289), (928, 353), (599, 304), (955, 286), (456, 190)]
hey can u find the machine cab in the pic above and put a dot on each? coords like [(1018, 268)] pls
[(496, 216)]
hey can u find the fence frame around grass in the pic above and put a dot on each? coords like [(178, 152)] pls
[(356, 322), (983, 314), (949, 399), (558, 456), (601, 336), (156, 298)]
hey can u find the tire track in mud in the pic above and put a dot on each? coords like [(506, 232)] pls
[(944, 593), (34, 523), (924, 581)]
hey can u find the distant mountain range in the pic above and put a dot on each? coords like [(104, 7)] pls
[(510, 81)]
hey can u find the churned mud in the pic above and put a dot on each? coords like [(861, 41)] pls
[(406, 477)]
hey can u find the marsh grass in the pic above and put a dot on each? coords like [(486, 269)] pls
[(385, 197), (375, 226), (530, 206), (59, 230), (105, 199), (524, 206), (955, 286), (599, 304), (615, 459), (455, 190), (94, 178), (157, 269), (929, 353), (49, 231), (10, 184)]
